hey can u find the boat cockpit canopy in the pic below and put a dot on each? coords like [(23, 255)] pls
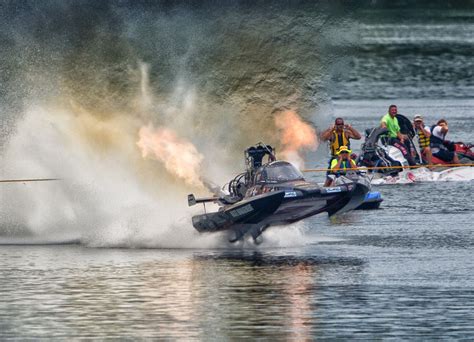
[(278, 172)]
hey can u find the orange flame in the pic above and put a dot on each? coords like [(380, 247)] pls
[(295, 136), (180, 157)]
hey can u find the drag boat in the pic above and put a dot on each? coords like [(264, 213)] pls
[(275, 193)]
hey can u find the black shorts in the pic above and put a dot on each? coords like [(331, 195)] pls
[(444, 155), (328, 172)]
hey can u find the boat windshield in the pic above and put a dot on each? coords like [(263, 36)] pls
[(278, 172)]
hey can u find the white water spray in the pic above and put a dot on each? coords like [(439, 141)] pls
[(108, 195), (101, 199)]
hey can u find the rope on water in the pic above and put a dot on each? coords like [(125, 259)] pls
[(28, 180)]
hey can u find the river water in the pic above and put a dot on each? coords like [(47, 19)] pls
[(404, 271)]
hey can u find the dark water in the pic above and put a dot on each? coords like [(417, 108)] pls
[(405, 271)]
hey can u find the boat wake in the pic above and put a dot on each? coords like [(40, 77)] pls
[(455, 174)]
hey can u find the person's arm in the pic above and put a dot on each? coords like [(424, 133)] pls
[(337, 166), (401, 137), (439, 133), (353, 133), (327, 134), (383, 122), (444, 128), (426, 131)]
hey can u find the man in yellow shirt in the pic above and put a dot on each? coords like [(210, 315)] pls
[(340, 164), (343, 161)]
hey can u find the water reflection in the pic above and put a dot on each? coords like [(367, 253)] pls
[(254, 295), (260, 295), (281, 294), (174, 294)]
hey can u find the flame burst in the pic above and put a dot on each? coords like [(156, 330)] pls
[(180, 157), (295, 136)]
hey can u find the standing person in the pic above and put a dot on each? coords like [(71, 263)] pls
[(396, 138), (338, 135), (442, 148), (424, 135)]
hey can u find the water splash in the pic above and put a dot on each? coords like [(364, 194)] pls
[(81, 121)]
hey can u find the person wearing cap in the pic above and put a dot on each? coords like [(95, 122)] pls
[(395, 137), (339, 135), (440, 147), (424, 134), (343, 162)]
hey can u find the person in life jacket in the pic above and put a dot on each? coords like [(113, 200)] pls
[(424, 134), (339, 135), (442, 148), (341, 164), (395, 137)]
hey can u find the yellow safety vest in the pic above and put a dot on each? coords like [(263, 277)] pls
[(346, 164), (423, 139), (336, 143)]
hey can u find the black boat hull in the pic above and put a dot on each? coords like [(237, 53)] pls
[(334, 200), (276, 194), (259, 212), (249, 211)]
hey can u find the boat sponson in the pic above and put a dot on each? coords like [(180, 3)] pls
[(372, 200), (351, 201), (247, 211)]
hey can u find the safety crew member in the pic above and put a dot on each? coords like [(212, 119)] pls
[(424, 134), (343, 162), (396, 138), (339, 135), (340, 164), (442, 148)]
